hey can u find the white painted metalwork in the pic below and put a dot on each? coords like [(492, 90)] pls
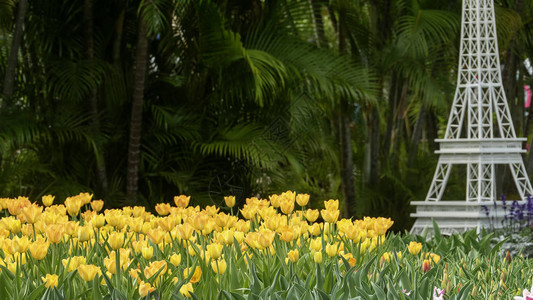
[(480, 131)]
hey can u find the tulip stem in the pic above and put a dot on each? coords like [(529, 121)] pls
[(117, 266)]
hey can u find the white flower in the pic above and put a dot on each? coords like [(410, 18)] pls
[(526, 295), (438, 294)]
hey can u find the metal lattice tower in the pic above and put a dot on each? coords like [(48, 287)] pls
[(480, 132)]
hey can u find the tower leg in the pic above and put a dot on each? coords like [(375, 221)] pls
[(521, 180), (439, 181), (481, 182)]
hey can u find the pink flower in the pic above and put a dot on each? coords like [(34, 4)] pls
[(438, 294), (526, 295)]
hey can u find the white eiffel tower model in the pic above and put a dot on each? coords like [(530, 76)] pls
[(480, 132)]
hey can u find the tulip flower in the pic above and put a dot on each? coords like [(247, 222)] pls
[(97, 205), (48, 200), (175, 259), (98, 221), (50, 281), (195, 276), (147, 252), (219, 266), (215, 250), (331, 204), (162, 209), (302, 199), (186, 290), (88, 272), (39, 249), (293, 255), (230, 201), (182, 200), (21, 244), (32, 213), (145, 288), (311, 215), (116, 240), (330, 216), (414, 247), (84, 233), (317, 257), (54, 233), (287, 206)]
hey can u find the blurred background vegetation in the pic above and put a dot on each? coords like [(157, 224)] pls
[(138, 101)]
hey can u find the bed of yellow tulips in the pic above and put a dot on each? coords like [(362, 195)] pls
[(273, 248), (76, 250)]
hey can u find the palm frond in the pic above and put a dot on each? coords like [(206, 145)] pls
[(74, 80)]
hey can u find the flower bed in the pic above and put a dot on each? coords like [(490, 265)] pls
[(273, 251)]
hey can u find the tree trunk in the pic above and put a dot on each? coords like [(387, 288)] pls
[(318, 21), (345, 115), (393, 102), (374, 147), (347, 177), (88, 22), (9, 79), (134, 147), (118, 37), (416, 136)]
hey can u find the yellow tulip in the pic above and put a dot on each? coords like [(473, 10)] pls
[(84, 233), (147, 252), (162, 209), (145, 288), (317, 257), (116, 240), (230, 201), (182, 200), (32, 213), (287, 206), (21, 244), (39, 249), (88, 272), (195, 276), (331, 204), (175, 259), (156, 235), (185, 231), (199, 221), (138, 211), (315, 229), (331, 250), (97, 205), (136, 224), (54, 233), (302, 199), (110, 264), (330, 216), (73, 262), (73, 206), (215, 250), (219, 266), (414, 247), (311, 215), (50, 281), (98, 221), (186, 290), (293, 255), (316, 244), (48, 200)]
